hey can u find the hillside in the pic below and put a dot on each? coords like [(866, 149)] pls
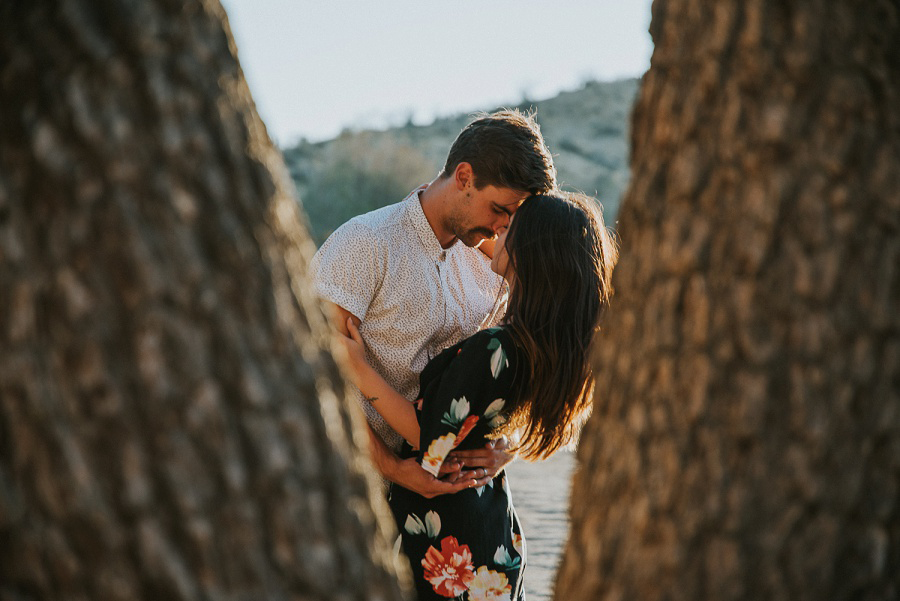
[(586, 130)]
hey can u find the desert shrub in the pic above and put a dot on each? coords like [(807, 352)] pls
[(357, 173), (570, 145)]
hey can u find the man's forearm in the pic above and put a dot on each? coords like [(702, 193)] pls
[(386, 462)]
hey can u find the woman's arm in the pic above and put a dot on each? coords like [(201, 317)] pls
[(396, 410)]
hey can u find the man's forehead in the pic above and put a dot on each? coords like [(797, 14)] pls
[(511, 199)]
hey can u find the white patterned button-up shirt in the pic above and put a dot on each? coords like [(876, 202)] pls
[(413, 297)]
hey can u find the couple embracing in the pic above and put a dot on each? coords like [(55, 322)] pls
[(468, 310)]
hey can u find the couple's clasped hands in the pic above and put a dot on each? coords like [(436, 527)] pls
[(455, 475), (462, 468)]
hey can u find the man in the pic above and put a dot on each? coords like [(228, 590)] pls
[(401, 275)]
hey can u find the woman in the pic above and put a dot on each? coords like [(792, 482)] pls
[(530, 376)]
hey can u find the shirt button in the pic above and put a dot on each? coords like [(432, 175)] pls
[(443, 255)]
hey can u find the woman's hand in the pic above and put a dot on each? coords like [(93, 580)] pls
[(486, 461), (356, 353)]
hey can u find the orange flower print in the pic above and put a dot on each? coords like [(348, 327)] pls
[(518, 544), (437, 452), (449, 570), (465, 429), (488, 585)]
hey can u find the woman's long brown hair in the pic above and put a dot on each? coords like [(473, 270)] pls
[(561, 256)]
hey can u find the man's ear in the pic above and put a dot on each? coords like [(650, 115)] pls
[(463, 176)]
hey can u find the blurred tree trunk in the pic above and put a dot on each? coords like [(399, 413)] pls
[(171, 423), (745, 443)]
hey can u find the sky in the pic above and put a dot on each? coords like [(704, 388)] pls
[(315, 68)]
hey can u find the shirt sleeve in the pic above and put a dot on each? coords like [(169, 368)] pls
[(470, 393), (346, 269)]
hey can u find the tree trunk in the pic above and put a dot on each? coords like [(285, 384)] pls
[(172, 425), (745, 443)]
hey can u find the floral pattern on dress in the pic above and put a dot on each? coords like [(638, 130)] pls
[(431, 527), (458, 418), (465, 428), (459, 409), (437, 452), (488, 585), (504, 560), (449, 570), (519, 544), (499, 361), (451, 573), (492, 413), (466, 546)]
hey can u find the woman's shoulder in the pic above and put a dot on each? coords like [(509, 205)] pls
[(496, 345), (481, 338), (501, 333)]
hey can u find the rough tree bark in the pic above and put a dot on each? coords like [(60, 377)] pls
[(171, 423), (746, 439)]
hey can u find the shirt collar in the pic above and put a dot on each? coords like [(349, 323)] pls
[(427, 238)]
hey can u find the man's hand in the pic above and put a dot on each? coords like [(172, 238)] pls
[(487, 461)]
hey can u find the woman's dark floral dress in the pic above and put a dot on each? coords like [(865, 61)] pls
[(469, 545)]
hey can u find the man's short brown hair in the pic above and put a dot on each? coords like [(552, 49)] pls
[(506, 150)]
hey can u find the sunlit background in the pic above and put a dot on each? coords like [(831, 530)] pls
[(317, 67)]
